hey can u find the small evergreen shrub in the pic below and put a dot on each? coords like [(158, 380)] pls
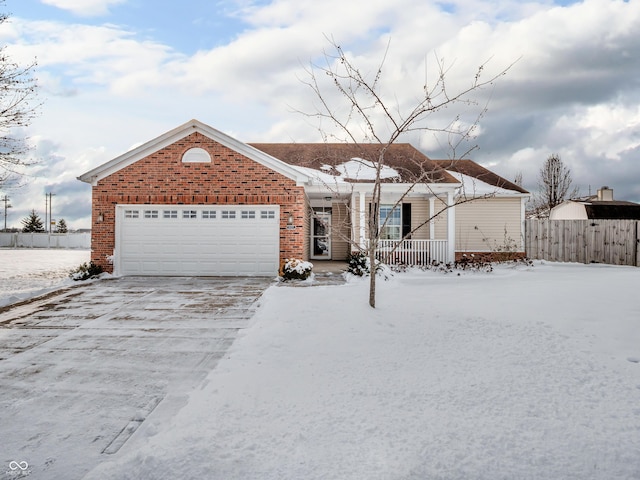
[(358, 264), (295, 269), (86, 271)]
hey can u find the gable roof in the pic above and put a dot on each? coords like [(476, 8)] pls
[(405, 163), (172, 136), (477, 171)]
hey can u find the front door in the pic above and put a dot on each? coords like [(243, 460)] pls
[(321, 236)]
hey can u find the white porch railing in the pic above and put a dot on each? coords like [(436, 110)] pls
[(412, 252)]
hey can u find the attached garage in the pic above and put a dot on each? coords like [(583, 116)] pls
[(197, 240)]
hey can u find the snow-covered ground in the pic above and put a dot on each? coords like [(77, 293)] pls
[(523, 373), (28, 272)]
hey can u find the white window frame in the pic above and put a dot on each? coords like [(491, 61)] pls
[(393, 228)]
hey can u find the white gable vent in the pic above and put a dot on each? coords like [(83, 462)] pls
[(196, 155)]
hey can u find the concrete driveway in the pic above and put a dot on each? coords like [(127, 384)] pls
[(81, 369)]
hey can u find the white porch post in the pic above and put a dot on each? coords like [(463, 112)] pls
[(451, 228), (432, 223), (523, 223), (362, 220)]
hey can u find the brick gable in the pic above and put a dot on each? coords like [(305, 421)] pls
[(230, 178)]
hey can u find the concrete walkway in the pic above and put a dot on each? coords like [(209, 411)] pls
[(81, 369)]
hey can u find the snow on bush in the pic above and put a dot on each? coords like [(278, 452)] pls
[(295, 269), (86, 271)]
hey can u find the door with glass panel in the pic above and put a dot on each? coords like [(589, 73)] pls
[(321, 235)]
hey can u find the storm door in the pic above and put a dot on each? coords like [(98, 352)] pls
[(321, 235)]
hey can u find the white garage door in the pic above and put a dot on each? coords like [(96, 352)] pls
[(173, 240)]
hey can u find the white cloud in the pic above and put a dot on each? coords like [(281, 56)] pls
[(85, 8), (573, 92)]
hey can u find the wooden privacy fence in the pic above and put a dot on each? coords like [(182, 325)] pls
[(614, 242)]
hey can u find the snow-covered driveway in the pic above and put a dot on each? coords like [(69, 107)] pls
[(81, 369)]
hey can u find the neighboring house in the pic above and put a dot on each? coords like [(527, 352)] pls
[(196, 201), (601, 207)]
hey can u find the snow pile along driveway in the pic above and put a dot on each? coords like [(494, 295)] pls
[(523, 373)]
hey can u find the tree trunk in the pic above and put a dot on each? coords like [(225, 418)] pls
[(372, 274)]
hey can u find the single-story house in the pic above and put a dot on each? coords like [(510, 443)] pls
[(195, 201), (601, 206)]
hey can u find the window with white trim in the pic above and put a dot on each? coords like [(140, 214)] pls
[(189, 214), (196, 155), (170, 214), (208, 214), (248, 214), (131, 214), (393, 228), (228, 214), (151, 214), (265, 214)]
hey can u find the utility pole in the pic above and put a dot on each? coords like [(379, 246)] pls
[(7, 205), (50, 209)]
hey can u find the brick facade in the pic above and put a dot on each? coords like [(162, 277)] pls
[(231, 178)]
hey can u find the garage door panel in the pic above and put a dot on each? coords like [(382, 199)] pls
[(197, 246)]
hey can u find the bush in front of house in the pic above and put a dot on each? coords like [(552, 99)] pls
[(86, 271), (295, 269), (358, 264)]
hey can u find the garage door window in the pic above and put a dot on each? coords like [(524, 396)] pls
[(170, 214), (266, 214), (151, 214), (131, 214), (228, 214), (208, 214), (248, 214), (189, 214)]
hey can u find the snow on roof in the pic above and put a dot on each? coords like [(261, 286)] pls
[(475, 187), (360, 169), (354, 169)]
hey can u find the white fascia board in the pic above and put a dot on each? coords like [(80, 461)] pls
[(496, 195), (321, 189), (416, 189), (193, 126)]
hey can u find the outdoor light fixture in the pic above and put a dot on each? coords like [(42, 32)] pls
[(100, 218), (290, 219)]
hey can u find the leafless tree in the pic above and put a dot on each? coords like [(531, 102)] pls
[(554, 184), (18, 107), (366, 114)]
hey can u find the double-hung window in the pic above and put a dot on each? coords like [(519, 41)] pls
[(392, 229)]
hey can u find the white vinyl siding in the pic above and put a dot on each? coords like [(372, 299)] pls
[(488, 225)]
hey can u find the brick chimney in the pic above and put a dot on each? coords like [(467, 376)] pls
[(605, 194)]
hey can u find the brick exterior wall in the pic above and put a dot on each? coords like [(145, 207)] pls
[(231, 178)]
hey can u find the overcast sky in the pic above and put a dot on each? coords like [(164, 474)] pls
[(117, 73)]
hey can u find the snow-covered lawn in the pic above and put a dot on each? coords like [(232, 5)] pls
[(28, 272), (524, 373)]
